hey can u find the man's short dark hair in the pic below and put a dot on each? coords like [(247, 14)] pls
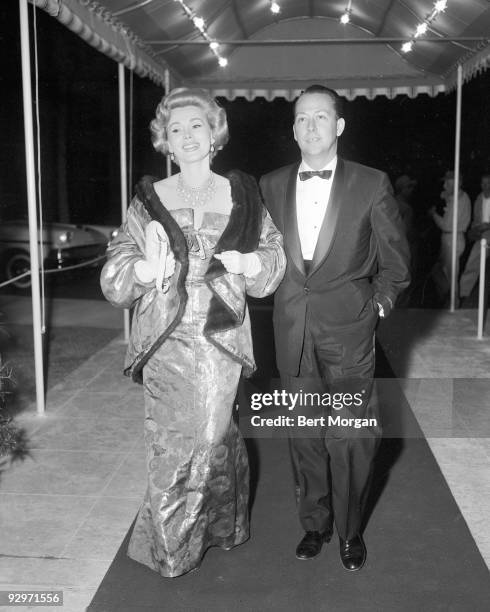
[(338, 102)]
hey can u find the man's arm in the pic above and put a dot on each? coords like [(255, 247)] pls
[(478, 226), (477, 211), (267, 192), (393, 253)]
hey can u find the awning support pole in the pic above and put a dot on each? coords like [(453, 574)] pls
[(167, 90), (481, 288), (123, 166), (32, 205), (457, 146)]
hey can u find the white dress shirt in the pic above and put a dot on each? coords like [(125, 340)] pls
[(485, 210), (311, 205)]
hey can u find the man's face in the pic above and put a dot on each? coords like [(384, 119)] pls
[(449, 185), (485, 186), (316, 128), (407, 190)]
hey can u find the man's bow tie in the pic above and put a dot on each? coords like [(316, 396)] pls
[(307, 174)]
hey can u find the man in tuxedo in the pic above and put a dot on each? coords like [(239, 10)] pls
[(347, 260)]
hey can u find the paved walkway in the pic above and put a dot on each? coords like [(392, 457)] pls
[(62, 312), (66, 509)]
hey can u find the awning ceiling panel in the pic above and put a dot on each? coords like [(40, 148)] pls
[(152, 36)]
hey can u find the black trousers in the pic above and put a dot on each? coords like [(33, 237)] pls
[(332, 457)]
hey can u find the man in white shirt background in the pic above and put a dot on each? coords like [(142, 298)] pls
[(347, 260), (480, 228), (441, 273)]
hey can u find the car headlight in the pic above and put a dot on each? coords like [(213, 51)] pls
[(65, 237)]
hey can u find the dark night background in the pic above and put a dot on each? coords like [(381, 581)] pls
[(80, 138)]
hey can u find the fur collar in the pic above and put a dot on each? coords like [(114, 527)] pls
[(241, 234)]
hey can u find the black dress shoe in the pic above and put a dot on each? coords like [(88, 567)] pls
[(353, 553), (311, 544)]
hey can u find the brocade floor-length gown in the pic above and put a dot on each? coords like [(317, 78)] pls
[(198, 479)]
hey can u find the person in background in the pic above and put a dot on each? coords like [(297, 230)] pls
[(442, 270), (404, 192), (347, 261), (480, 228), (194, 244)]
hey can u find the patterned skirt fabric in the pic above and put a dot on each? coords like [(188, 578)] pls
[(198, 479)]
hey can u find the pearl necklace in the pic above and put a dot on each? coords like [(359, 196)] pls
[(196, 197)]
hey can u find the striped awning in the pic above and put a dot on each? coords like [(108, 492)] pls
[(278, 56)]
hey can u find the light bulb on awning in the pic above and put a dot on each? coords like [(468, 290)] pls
[(345, 18), (199, 23)]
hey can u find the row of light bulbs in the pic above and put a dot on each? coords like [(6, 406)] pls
[(439, 7), (200, 25), (421, 29)]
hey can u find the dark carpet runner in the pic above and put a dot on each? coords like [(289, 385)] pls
[(421, 555)]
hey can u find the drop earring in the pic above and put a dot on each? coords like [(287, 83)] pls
[(172, 157), (211, 148)]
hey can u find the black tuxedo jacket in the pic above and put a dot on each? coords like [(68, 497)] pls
[(361, 256)]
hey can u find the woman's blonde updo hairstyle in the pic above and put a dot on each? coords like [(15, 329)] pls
[(187, 96)]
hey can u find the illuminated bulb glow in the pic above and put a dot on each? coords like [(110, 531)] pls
[(275, 8), (200, 25), (345, 18), (439, 7)]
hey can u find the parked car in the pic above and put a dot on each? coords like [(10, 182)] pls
[(63, 244)]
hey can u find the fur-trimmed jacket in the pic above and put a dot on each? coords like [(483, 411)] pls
[(155, 315)]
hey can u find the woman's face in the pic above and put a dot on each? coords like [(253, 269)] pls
[(189, 134)]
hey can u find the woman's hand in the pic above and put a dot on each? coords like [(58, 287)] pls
[(159, 262), (240, 263)]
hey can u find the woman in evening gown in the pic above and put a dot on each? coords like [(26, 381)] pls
[(194, 244)]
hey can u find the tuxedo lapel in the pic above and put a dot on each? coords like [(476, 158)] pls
[(291, 235), (329, 225)]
